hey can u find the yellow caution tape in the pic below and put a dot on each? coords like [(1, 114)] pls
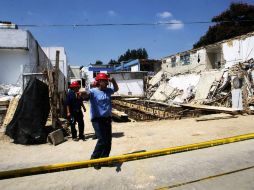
[(120, 158)]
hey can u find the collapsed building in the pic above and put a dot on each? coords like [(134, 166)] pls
[(211, 79)]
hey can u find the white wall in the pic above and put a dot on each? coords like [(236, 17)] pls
[(19, 51), (13, 38), (130, 83), (131, 87), (75, 72), (51, 54), (89, 75), (180, 68), (63, 65), (11, 64), (238, 50), (135, 68)]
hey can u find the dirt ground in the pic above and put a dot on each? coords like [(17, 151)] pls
[(127, 137)]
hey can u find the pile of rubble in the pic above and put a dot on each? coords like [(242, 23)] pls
[(9, 96), (229, 90), (230, 87)]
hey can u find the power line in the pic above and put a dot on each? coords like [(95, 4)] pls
[(128, 24)]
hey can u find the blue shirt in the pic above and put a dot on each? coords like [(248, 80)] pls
[(100, 102)]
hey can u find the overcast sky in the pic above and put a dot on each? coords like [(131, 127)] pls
[(86, 44)]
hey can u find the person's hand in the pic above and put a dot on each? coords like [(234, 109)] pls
[(111, 79), (68, 115)]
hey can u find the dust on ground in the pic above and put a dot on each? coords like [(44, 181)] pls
[(127, 137)]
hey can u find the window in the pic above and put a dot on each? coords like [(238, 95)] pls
[(185, 59), (173, 61)]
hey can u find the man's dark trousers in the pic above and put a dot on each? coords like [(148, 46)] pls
[(103, 131), (77, 117)]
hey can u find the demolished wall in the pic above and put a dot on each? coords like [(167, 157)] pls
[(130, 83)]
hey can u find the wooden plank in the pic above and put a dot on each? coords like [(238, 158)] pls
[(215, 117), (4, 103), (119, 115), (210, 108), (129, 99), (11, 110)]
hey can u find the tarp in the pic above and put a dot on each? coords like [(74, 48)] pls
[(28, 123)]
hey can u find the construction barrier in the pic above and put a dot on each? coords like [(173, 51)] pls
[(121, 158)]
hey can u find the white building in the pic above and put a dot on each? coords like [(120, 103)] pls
[(63, 65), (214, 56), (20, 53)]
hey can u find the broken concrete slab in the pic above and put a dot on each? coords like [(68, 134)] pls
[(215, 117), (162, 93), (206, 81), (56, 137), (211, 108)]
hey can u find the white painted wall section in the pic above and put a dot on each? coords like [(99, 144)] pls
[(130, 87), (20, 53), (11, 65), (135, 68), (182, 82), (51, 54), (238, 50), (13, 38)]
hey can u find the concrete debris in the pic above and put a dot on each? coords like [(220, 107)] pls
[(7, 95), (9, 90), (56, 137), (119, 116), (215, 117), (215, 88), (228, 90)]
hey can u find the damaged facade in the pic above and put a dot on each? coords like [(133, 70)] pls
[(130, 83), (214, 78), (215, 56), (206, 74)]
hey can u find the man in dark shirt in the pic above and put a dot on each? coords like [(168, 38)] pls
[(74, 103)]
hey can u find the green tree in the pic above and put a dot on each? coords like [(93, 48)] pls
[(235, 21), (113, 62), (144, 54), (98, 62), (140, 53)]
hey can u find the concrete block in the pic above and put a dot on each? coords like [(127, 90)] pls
[(56, 137)]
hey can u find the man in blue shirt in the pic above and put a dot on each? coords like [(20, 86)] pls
[(74, 103), (101, 108)]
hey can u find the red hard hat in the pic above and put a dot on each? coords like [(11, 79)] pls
[(102, 76), (74, 84)]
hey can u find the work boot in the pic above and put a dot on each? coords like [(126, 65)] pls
[(97, 167), (75, 139), (82, 138)]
